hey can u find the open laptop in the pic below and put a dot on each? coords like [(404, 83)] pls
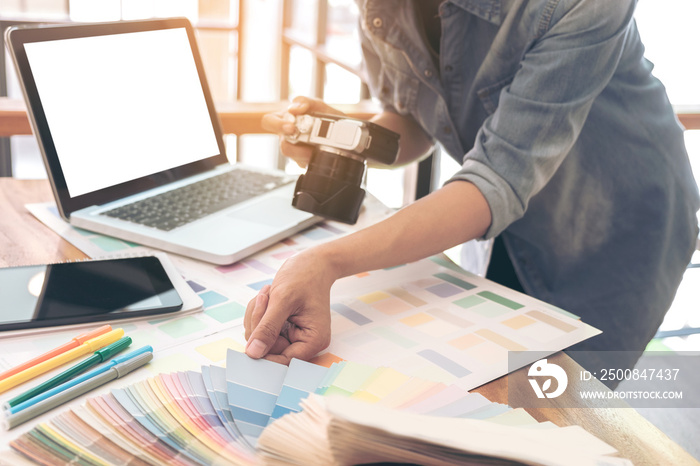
[(132, 142)]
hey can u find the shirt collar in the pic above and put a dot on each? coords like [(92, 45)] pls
[(489, 10)]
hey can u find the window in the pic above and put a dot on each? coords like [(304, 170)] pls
[(668, 37)]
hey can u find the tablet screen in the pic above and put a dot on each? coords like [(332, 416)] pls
[(78, 292)]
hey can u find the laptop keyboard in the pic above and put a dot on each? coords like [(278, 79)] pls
[(181, 206)]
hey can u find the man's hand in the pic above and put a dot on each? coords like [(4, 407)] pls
[(280, 123), (291, 318)]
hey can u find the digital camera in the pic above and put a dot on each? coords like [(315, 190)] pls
[(331, 185)]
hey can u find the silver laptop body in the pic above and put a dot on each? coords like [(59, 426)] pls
[(122, 112)]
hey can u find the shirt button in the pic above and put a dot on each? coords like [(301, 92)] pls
[(377, 22), (448, 68), (428, 73), (447, 130)]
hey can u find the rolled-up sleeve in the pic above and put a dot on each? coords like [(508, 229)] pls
[(540, 114)]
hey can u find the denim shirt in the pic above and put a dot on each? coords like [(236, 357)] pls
[(552, 110)]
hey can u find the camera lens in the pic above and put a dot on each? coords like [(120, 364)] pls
[(336, 167), (331, 187)]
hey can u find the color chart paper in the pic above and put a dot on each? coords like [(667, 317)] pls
[(433, 320)]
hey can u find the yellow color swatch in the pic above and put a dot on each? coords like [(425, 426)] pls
[(518, 322), (466, 341), (417, 319), (382, 382), (216, 350), (373, 297), (173, 363)]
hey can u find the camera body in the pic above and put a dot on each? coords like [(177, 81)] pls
[(331, 186)]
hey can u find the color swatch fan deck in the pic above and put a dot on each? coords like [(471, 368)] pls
[(253, 411)]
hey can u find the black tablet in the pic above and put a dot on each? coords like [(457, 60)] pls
[(80, 292)]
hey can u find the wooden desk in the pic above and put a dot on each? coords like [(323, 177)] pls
[(24, 240)]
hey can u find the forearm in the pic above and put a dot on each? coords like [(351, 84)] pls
[(414, 143), (456, 213)]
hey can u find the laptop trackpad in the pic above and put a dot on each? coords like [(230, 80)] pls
[(274, 211)]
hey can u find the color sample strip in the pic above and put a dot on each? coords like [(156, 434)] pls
[(417, 319), (449, 317), (172, 363), (373, 297), (183, 417), (500, 340), (196, 391), (394, 337), (257, 286), (500, 300), (326, 359), (212, 298), (331, 228), (350, 314), (466, 341), (490, 309), (437, 328), (378, 386), (176, 398), (330, 376), (444, 290), (547, 319), (203, 413), (281, 256), (125, 407), (214, 379), (118, 425), (226, 312), (216, 350), (78, 452), (253, 387), (316, 234), (84, 434), (161, 425), (391, 306), (302, 378), (414, 388), (235, 267), (260, 267), (182, 327), (469, 301), (196, 287), (444, 363), (455, 281), (406, 296), (349, 379), (518, 322)]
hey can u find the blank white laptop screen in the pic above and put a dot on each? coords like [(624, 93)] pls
[(122, 106)]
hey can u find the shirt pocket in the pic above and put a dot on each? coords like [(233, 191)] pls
[(490, 94), (399, 89)]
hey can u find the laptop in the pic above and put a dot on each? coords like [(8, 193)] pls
[(132, 143)]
